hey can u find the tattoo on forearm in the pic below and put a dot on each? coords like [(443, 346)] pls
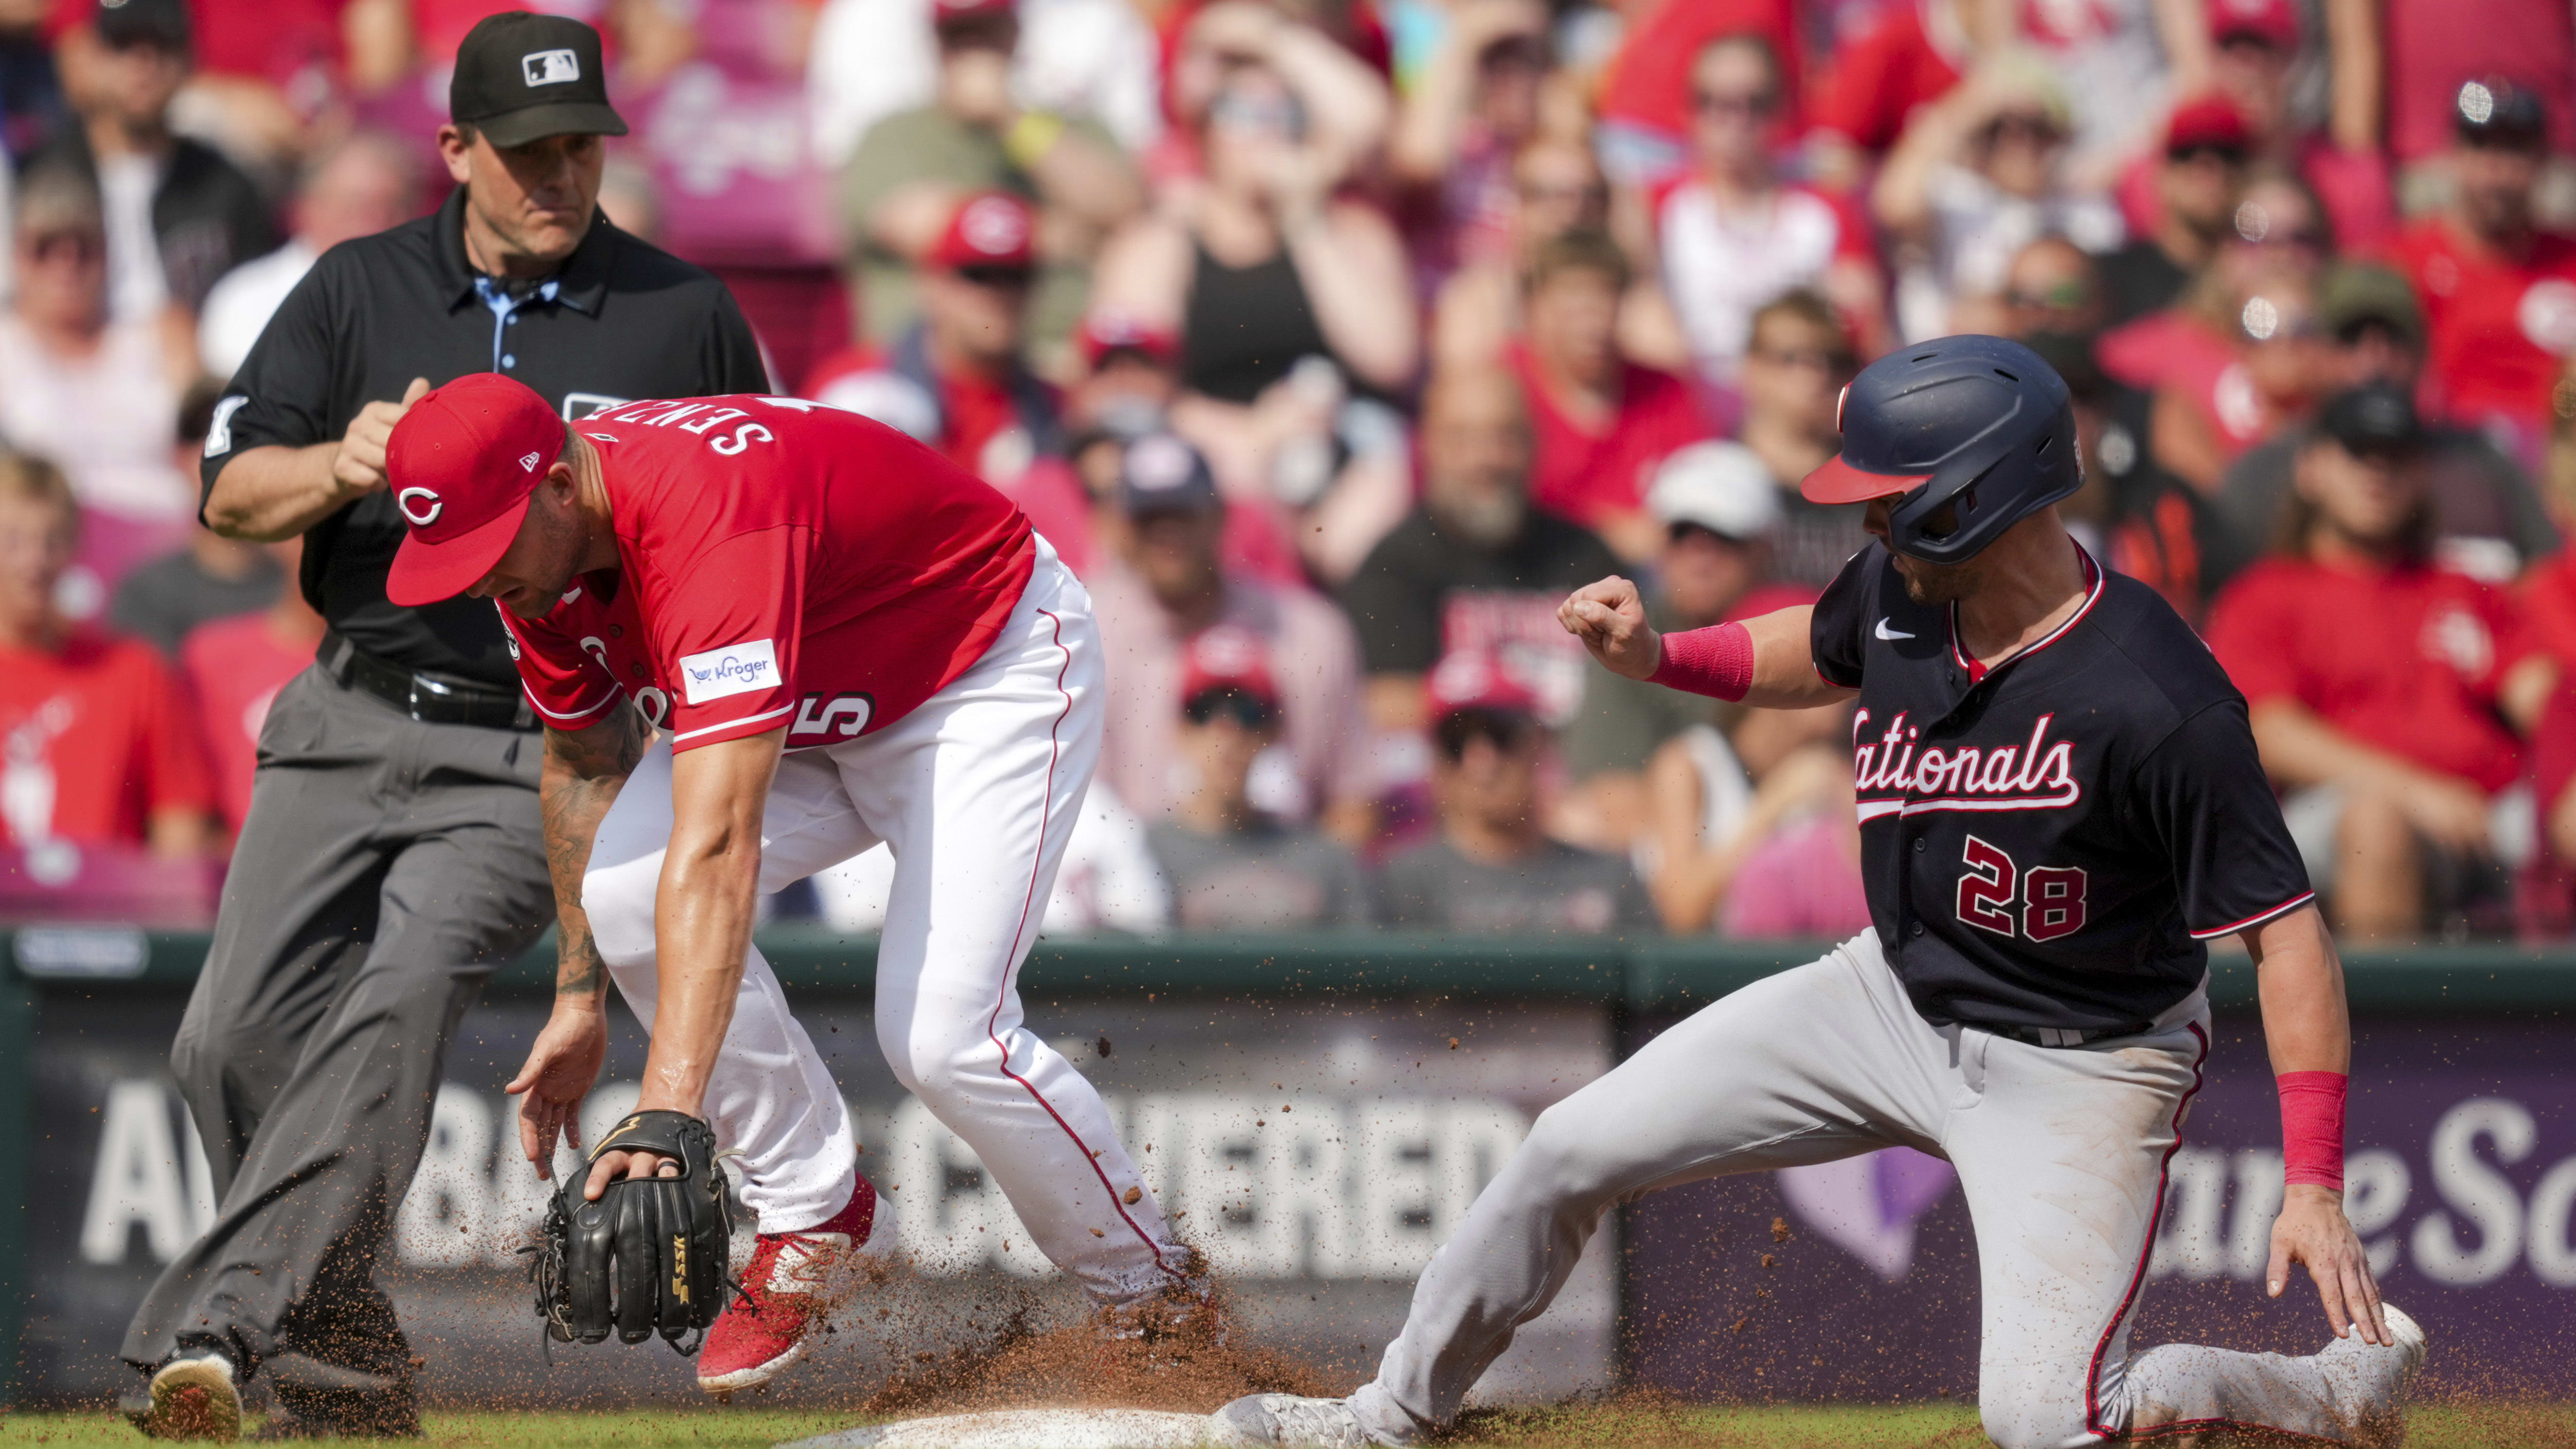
[(583, 772)]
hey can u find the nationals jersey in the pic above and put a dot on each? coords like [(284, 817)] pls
[(2046, 844), (781, 565)]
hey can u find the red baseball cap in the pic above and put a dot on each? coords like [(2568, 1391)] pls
[(461, 465), (2208, 121), (1107, 332), (2274, 22), (1479, 679), (1227, 656), (988, 229), (946, 10)]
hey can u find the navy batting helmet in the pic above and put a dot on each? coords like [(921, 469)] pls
[(1976, 432)]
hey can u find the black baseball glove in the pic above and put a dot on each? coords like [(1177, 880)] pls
[(650, 1254)]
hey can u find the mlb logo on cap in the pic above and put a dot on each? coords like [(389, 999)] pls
[(550, 67)]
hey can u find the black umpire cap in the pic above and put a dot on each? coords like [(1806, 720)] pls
[(523, 77)]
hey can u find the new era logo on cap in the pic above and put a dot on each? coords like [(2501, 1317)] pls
[(528, 461), (550, 67)]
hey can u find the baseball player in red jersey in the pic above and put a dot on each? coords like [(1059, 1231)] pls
[(824, 636)]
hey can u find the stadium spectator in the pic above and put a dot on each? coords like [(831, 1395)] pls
[(1467, 113), (1091, 59), (2486, 520), (1599, 422), (2432, 47), (2229, 398), (1794, 371), (1732, 236), (1649, 126), (96, 742), (2255, 56), (1263, 264), (2197, 181), (2399, 756), (2052, 285), (1476, 566), (2499, 292), (1723, 807), (1904, 57), (903, 187), (1718, 509), (1231, 864), (212, 577), (358, 187), (1556, 189), (1172, 585), (32, 107), (96, 394), (1977, 176), (2120, 64), (234, 666), (1491, 868), (957, 378), (179, 215)]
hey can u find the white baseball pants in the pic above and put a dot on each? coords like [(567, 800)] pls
[(975, 793), (2061, 1153)]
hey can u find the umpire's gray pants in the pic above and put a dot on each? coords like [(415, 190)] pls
[(2060, 1152), (386, 866)]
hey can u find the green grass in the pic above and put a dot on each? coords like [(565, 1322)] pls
[(1866, 1427)]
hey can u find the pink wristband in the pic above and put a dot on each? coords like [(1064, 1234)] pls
[(2312, 1127), (1716, 661)]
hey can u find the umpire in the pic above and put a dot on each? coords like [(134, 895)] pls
[(391, 856)]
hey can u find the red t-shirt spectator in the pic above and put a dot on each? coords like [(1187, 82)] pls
[(1586, 475), (94, 738), (1881, 76), (2434, 45), (2407, 660), (2499, 329), (1648, 81), (234, 669)]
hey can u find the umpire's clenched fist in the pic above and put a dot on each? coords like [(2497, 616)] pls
[(358, 468), (1610, 619)]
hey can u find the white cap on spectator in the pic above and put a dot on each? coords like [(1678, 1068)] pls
[(1722, 487)]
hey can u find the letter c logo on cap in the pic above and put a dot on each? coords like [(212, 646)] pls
[(425, 517)]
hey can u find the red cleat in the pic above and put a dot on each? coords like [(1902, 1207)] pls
[(786, 1289)]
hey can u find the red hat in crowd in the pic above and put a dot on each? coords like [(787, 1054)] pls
[(944, 11), (2208, 121), (2273, 22), (1480, 679), (1227, 656), (461, 465), (988, 229), (1106, 332)]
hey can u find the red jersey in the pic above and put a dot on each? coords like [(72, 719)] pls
[(234, 668), (1879, 77), (782, 564), (2408, 660), (94, 738), (1586, 475), (2499, 329)]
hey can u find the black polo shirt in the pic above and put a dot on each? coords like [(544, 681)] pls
[(622, 320), (2048, 846)]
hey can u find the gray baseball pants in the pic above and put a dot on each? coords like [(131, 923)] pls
[(386, 866), (2060, 1151)]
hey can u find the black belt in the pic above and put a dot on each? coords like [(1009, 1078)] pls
[(2062, 1036), (429, 698)]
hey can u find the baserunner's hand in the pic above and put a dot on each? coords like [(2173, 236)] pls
[(1610, 618), (2312, 1230)]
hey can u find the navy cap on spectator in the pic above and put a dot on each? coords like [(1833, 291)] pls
[(1162, 474), (2374, 418), (2496, 112), (123, 23)]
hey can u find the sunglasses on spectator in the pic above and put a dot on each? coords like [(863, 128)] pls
[(1507, 730), (1585, 194), (2224, 155), (1280, 117), (986, 275), (2063, 297), (1813, 359), (1246, 709), (2037, 130), (1752, 105), (76, 246)]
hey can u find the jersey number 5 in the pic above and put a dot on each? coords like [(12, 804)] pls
[(2051, 897)]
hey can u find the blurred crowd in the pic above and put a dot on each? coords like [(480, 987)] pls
[(1332, 341)]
